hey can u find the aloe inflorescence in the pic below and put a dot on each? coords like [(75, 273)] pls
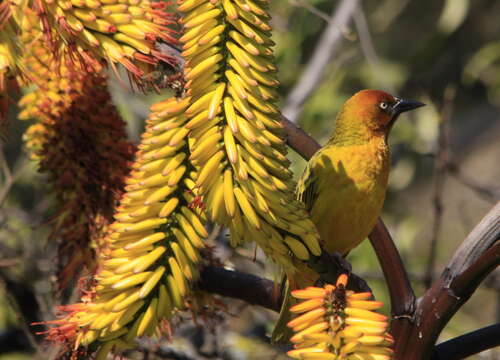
[(92, 32), (333, 323), (236, 138), (151, 253), (79, 141)]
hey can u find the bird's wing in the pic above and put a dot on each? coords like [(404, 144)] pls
[(307, 189)]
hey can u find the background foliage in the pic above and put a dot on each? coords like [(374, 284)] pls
[(444, 53)]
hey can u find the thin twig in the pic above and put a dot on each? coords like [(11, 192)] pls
[(325, 50), (17, 293), (313, 10), (488, 193), (479, 240), (11, 262), (492, 282), (7, 173), (440, 161), (9, 176), (368, 48)]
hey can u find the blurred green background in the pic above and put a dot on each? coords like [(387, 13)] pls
[(444, 53)]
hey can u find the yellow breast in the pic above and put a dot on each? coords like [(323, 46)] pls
[(351, 189)]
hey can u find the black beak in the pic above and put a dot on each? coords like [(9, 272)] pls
[(403, 105)]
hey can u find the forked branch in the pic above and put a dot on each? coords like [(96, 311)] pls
[(478, 256)]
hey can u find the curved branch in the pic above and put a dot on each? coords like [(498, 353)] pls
[(403, 301), (465, 284), (458, 282), (298, 140), (468, 344), (400, 290)]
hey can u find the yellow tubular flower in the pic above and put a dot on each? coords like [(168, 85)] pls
[(80, 142), (152, 250), (115, 31), (236, 137), (333, 323)]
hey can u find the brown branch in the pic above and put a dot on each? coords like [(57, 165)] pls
[(468, 344), (249, 288), (400, 290), (478, 255), (464, 284), (298, 140), (253, 289)]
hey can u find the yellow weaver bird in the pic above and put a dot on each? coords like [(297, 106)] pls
[(343, 185)]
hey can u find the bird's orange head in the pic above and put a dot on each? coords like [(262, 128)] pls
[(370, 113)]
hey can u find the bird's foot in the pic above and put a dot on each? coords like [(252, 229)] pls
[(330, 267)]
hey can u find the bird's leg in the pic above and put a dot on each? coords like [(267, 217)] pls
[(329, 267), (342, 264)]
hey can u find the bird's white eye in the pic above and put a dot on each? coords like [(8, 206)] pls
[(383, 105)]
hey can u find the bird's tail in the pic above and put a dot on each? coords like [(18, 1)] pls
[(302, 277)]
